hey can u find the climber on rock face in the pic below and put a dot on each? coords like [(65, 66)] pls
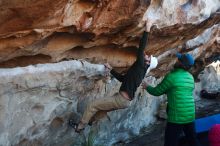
[(130, 82)]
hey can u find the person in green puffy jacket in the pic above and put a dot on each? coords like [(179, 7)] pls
[(178, 85)]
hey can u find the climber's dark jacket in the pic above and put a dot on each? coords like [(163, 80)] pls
[(135, 74)]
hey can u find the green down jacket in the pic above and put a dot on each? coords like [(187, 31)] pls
[(178, 85)]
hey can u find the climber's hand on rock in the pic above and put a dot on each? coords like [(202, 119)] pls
[(155, 27), (148, 25), (142, 24), (151, 26), (108, 66)]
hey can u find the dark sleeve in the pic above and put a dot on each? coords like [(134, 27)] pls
[(142, 45), (117, 75)]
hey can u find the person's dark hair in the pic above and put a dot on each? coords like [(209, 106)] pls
[(178, 64)]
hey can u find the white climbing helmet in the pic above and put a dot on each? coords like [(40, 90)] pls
[(153, 63)]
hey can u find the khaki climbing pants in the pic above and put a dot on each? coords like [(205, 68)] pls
[(104, 104)]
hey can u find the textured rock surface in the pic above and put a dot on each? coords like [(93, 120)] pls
[(50, 31), (36, 102)]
